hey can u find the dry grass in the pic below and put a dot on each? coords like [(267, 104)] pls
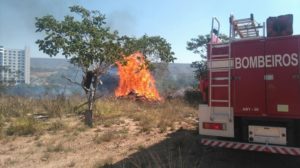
[(162, 115), (106, 163), (106, 137), (1, 125), (56, 125), (56, 148), (21, 106), (23, 126), (121, 127), (20, 120), (72, 164), (17, 114), (111, 135), (45, 156), (51, 106)]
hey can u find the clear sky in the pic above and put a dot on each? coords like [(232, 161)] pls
[(176, 20)]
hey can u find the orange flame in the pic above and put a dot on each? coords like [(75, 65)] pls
[(136, 78)]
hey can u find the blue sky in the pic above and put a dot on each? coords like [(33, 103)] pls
[(176, 20)]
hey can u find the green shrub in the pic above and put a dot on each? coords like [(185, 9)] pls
[(23, 126), (193, 97)]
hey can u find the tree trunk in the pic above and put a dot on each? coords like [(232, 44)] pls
[(91, 99), (88, 116), (89, 112)]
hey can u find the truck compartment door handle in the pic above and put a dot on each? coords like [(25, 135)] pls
[(296, 76), (269, 77), (235, 78)]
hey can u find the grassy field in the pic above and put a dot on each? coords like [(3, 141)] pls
[(49, 132)]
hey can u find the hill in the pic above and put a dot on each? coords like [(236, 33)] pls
[(47, 78), (54, 64), (49, 72), (49, 63)]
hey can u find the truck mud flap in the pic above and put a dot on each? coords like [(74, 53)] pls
[(252, 147)]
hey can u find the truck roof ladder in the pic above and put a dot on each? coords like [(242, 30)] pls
[(224, 58), (245, 28)]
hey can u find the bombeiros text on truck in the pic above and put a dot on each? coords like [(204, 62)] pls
[(253, 87)]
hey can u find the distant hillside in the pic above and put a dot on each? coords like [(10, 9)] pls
[(54, 64), (48, 72), (183, 68), (49, 63)]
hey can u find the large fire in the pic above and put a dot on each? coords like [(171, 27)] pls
[(136, 79)]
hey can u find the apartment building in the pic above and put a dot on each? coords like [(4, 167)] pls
[(14, 66)]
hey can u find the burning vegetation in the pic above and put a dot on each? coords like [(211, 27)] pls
[(136, 79)]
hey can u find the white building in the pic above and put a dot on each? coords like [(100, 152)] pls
[(14, 66)]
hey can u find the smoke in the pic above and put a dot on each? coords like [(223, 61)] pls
[(18, 16), (17, 19), (122, 21)]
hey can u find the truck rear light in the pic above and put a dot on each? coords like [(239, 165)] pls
[(214, 126)]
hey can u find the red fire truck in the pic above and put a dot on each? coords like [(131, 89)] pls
[(253, 87)]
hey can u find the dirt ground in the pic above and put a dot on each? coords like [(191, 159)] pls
[(124, 145)]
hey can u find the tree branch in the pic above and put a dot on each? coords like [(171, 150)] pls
[(71, 81), (85, 103)]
